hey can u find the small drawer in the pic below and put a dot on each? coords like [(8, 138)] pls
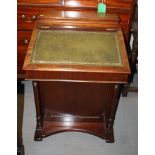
[(26, 18), (23, 39)]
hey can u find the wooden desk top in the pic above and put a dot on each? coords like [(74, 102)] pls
[(62, 54)]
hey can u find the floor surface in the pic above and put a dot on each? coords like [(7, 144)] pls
[(76, 143)]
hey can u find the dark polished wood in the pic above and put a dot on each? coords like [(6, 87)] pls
[(90, 22), (39, 113), (20, 147), (20, 109), (133, 54), (28, 12), (76, 97), (70, 106)]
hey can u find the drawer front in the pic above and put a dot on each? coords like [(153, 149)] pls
[(39, 2), (23, 39), (75, 98), (26, 18), (111, 4)]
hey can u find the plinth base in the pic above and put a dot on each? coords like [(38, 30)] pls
[(53, 127)]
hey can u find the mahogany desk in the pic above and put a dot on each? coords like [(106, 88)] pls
[(28, 12), (77, 66)]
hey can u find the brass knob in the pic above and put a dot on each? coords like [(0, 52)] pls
[(23, 16), (26, 41), (34, 17)]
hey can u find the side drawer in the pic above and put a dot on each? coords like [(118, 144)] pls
[(27, 15), (23, 39), (26, 18)]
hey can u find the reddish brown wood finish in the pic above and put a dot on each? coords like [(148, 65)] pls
[(69, 106), (89, 22), (28, 11), (39, 113), (39, 2), (76, 97)]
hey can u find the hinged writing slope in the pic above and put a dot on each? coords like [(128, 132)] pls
[(77, 65), (63, 47), (83, 48)]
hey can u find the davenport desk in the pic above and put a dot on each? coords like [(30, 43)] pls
[(77, 62)]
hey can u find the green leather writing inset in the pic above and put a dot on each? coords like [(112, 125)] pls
[(76, 48)]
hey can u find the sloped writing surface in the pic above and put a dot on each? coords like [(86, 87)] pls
[(76, 48)]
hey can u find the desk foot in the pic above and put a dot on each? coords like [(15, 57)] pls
[(125, 90), (38, 135), (110, 137)]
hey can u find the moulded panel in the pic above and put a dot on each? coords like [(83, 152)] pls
[(74, 99)]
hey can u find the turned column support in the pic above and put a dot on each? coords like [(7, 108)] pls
[(39, 116), (110, 123)]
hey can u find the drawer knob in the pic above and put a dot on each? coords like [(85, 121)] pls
[(23, 16), (26, 41), (34, 17)]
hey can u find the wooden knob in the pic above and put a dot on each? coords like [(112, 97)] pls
[(34, 17), (26, 41)]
